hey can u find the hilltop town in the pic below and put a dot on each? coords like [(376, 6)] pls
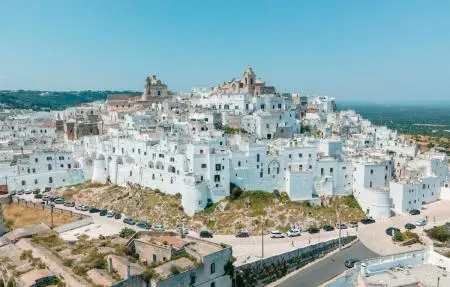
[(141, 182)]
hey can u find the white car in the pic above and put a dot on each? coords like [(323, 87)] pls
[(78, 206), (277, 234), (293, 232), (421, 222), (28, 191), (110, 213), (159, 227)]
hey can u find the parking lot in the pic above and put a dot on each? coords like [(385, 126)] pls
[(374, 235), (102, 225)]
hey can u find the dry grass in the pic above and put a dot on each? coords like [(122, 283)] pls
[(137, 202), (23, 216), (247, 211)]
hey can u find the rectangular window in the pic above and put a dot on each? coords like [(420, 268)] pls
[(35, 181), (257, 157), (36, 160), (172, 159), (239, 163), (49, 167), (261, 174), (201, 151), (69, 165), (370, 184), (23, 182), (321, 171), (371, 171), (50, 179), (290, 156), (216, 178), (161, 155), (49, 158), (300, 155), (203, 165), (331, 170), (218, 167)]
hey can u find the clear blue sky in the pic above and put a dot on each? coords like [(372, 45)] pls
[(361, 50)]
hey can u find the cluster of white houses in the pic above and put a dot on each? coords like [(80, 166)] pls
[(198, 143)]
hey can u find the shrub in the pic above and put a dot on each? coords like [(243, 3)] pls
[(175, 269), (439, 233), (398, 236), (236, 192), (126, 232), (148, 274), (276, 193)]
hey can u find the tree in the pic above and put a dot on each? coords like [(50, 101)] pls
[(236, 192), (126, 232)]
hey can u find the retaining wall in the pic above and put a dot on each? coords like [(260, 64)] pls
[(268, 270)]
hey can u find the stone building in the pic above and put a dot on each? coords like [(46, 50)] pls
[(249, 83)]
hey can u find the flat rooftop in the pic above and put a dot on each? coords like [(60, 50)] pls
[(202, 247), (423, 275)]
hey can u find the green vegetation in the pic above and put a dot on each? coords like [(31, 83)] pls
[(230, 130), (439, 233), (126, 232), (175, 269), (406, 237), (246, 209)]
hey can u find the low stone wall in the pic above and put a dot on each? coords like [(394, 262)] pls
[(74, 225), (268, 270)]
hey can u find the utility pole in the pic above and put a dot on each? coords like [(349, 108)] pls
[(51, 213), (338, 214), (263, 221)]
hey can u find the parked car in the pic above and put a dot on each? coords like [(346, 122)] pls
[(103, 212), (414, 212), (367, 220), (159, 227), (38, 196), (206, 234), (79, 207), (185, 230), (353, 224), (13, 192), (69, 203), (421, 222), (52, 198), (118, 215), (20, 192), (110, 213), (143, 224), (341, 226), (94, 210), (85, 208), (36, 191), (242, 233), (391, 231), (28, 191), (313, 229), (409, 226), (328, 227), (350, 263), (129, 221), (293, 232), (47, 189), (59, 201), (45, 197), (277, 234)]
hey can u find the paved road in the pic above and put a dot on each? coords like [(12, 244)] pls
[(328, 268)]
